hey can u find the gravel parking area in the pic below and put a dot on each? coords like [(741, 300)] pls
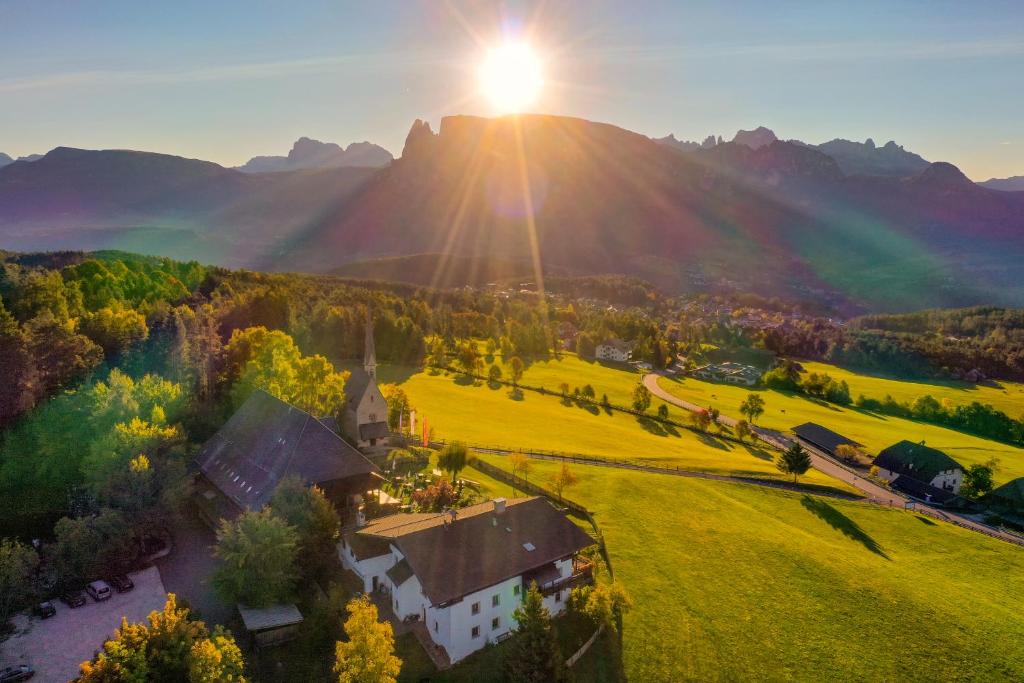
[(56, 646)]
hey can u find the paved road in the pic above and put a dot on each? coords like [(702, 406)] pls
[(824, 463)]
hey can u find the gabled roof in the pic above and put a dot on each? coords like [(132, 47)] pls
[(1011, 492), (822, 436), (400, 573), (267, 439), (275, 616), (921, 490), (915, 460), (479, 548), (617, 344)]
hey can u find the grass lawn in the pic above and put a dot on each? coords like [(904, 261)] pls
[(784, 411), (737, 582), (480, 414), (1007, 396)]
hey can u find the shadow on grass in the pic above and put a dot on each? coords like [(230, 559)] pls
[(759, 453), (652, 426), (837, 520), (516, 394), (925, 521), (464, 380), (494, 386), (589, 407), (713, 441)]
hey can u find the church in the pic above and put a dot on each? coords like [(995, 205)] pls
[(366, 416)]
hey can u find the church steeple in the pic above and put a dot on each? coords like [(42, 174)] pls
[(369, 351)]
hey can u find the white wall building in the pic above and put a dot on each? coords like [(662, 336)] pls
[(614, 350), (920, 463), (464, 572)]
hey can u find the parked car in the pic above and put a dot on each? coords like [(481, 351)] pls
[(73, 598), (99, 590), (11, 674), (121, 583), (44, 610)]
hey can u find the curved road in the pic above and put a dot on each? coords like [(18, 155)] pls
[(823, 463)]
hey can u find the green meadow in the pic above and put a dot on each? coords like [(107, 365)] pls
[(738, 582), (784, 410), (1005, 396), (486, 415)]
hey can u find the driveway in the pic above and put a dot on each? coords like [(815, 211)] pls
[(56, 647), (188, 570)]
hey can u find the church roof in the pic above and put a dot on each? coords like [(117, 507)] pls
[(268, 439), (369, 349)]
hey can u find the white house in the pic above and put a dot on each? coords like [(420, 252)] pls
[(920, 470), (613, 350), (464, 572)]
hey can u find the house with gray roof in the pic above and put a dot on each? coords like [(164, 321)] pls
[(1009, 496), (463, 572), (920, 471), (266, 440)]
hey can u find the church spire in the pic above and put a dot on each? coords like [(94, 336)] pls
[(369, 351)]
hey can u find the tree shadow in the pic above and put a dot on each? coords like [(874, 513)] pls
[(494, 386), (464, 380), (925, 521), (713, 441), (516, 394), (589, 407), (652, 426), (840, 522), (759, 453)]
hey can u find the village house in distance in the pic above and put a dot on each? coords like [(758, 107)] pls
[(267, 440), (921, 471), (615, 350), (462, 573), (366, 417)]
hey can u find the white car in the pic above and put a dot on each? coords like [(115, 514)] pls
[(99, 590)]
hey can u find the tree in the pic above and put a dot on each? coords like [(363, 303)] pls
[(170, 648), (977, 480), (515, 368), (588, 392), (398, 404), (641, 398), (494, 374), (752, 407), (606, 603), (368, 656), (534, 656), (520, 465), (469, 358), (452, 458), (743, 430), (435, 497), (795, 461), (850, 454), (258, 552), (314, 518), (86, 548), (663, 411), (18, 563), (701, 419), (563, 480)]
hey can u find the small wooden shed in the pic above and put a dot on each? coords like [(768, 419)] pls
[(268, 626)]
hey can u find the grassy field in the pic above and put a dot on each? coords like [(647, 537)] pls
[(784, 411), (737, 582), (1006, 396), (485, 415)]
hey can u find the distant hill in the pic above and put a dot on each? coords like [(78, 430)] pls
[(312, 154), (5, 159), (781, 218), (864, 158), (1011, 184)]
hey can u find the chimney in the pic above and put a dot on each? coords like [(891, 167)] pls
[(499, 506)]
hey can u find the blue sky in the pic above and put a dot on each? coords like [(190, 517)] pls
[(228, 80)]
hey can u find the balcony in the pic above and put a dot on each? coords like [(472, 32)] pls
[(582, 574)]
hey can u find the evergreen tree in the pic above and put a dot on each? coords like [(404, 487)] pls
[(533, 655), (795, 461)]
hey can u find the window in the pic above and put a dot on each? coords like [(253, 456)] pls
[(495, 600), (476, 632), (558, 596), (435, 627), (475, 609), (495, 623), (515, 590)]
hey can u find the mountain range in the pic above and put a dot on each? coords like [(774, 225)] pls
[(1012, 184), (313, 154), (780, 218)]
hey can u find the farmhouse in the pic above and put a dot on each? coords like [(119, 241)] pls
[(464, 572), (613, 350), (730, 373), (920, 471), (1009, 496), (366, 419), (821, 438), (266, 440)]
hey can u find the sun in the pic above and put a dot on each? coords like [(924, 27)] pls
[(511, 77)]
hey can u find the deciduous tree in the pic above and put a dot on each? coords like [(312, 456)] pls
[(368, 656), (258, 552)]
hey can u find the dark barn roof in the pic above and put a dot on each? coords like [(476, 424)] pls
[(480, 547), (915, 460), (822, 437), (1010, 494), (267, 439)]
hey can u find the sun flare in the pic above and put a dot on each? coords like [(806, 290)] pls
[(511, 77)]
